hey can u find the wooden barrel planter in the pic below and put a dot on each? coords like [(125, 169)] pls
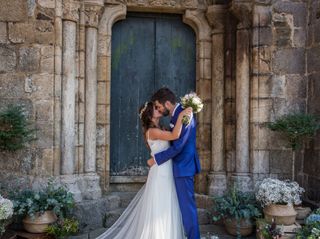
[(281, 214), (40, 222), (243, 226)]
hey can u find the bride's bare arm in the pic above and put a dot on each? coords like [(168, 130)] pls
[(155, 133)]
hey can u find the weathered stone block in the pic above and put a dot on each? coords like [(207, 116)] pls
[(297, 9), (286, 106), (47, 59), (204, 137), (44, 110), (21, 32), (102, 93), (290, 61), (262, 15), (13, 10), (260, 161), (262, 36), (231, 160), (7, 58), (44, 32), (47, 3), (79, 132), (280, 161), (102, 115), (102, 133), (42, 86), (45, 134), (230, 136), (31, 7), (261, 62), (47, 162), (205, 159), (12, 85), (299, 37), (205, 90), (296, 86), (283, 36), (313, 59), (29, 58), (3, 32), (261, 110), (313, 93)]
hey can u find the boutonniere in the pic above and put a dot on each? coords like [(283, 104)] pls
[(171, 125)]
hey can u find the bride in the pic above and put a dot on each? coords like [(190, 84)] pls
[(154, 212)]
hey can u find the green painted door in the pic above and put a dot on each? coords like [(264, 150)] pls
[(149, 51)]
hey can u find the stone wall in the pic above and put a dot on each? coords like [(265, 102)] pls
[(27, 77), (274, 44), (309, 170), (279, 81)]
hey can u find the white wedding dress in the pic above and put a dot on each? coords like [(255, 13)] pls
[(154, 212)]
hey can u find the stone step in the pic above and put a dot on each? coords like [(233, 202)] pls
[(125, 197)]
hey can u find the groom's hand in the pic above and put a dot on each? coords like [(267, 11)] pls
[(151, 162)]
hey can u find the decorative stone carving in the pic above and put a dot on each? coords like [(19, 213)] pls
[(92, 15), (242, 10), (71, 10), (176, 5), (216, 17)]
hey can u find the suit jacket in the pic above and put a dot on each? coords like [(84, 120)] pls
[(182, 151)]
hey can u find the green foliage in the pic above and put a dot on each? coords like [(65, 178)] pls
[(63, 228), (236, 204), (15, 129), (296, 127), (56, 198), (268, 231), (309, 231)]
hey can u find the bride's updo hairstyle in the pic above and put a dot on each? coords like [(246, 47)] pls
[(145, 114)]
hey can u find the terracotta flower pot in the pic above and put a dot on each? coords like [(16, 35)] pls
[(302, 212), (40, 222), (282, 214), (244, 226)]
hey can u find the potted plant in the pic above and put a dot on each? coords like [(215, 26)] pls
[(43, 207), (297, 128), (267, 231), (277, 199), (237, 210), (311, 229), (63, 228), (6, 212)]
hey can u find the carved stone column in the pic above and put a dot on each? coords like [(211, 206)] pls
[(243, 12), (91, 188), (70, 18), (217, 175)]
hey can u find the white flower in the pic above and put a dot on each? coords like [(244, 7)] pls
[(273, 191), (6, 208)]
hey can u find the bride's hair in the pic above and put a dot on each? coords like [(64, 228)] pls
[(146, 113)]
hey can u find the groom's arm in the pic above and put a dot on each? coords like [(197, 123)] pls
[(175, 148)]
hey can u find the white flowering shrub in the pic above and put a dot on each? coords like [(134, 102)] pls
[(275, 191), (6, 212)]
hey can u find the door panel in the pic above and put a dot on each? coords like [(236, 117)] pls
[(148, 51)]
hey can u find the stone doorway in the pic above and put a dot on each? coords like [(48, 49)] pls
[(149, 51)]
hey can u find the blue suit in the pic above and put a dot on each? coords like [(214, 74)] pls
[(185, 165)]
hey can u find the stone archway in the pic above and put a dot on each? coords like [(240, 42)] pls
[(196, 18)]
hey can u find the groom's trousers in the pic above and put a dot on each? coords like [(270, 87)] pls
[(187, 202)]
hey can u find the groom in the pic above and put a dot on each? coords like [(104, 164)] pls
[(184, 157)]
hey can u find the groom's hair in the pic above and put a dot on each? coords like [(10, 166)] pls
[(164, 94)]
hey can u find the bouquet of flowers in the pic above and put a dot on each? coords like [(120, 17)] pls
[(191, 100), (6, 212), (274, 191)]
